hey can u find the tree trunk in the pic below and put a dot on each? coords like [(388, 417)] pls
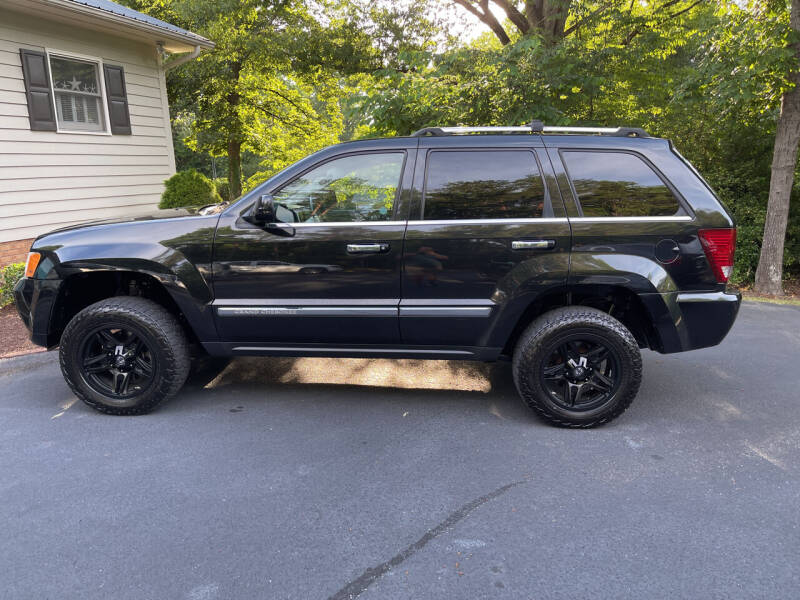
[(769, 275), (235, 168)]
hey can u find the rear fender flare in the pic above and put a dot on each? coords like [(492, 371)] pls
[(645, 278)]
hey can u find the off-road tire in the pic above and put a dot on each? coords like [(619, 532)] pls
[(166, 339), (529, 359)]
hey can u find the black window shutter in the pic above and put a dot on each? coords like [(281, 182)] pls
[(36, 72), (118, 112)]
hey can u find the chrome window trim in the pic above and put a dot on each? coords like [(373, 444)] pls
[(490, 221), (676, 218), (630, 219), (342, 224)]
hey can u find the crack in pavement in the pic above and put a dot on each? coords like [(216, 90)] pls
[(358, 586)]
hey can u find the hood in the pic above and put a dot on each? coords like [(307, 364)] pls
[(156, 215)]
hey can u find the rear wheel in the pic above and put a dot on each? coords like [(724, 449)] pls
[(577, 367), (124, 355)]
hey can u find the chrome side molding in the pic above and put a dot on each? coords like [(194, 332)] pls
[(307, 311), (707, 297), (353, 311)]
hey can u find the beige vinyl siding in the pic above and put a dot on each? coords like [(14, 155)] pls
[(50, 179)]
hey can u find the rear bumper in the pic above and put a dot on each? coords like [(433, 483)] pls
[(692, 320), (34, 299), (708, 317)]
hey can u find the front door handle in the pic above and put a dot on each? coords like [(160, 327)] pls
[(533, 244), (367, 248)]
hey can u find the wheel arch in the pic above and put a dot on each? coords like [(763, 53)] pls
[(87, 284), (618, 301)]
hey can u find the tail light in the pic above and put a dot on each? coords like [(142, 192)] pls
[(719, 246)]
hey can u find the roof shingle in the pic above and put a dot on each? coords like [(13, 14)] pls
[(129, 13)]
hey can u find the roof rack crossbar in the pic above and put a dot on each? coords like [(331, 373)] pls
[(535, 127)]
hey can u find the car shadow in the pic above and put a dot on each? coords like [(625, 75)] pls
[(351, 381)]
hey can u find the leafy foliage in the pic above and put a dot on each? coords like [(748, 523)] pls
[(9, 276), (223, 188), (288, 77), (709, 76), (188, 188)]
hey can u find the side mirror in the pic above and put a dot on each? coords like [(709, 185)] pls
[(264, 209), (284, 214)]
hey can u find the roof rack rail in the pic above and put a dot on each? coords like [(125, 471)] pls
[(534, 127)]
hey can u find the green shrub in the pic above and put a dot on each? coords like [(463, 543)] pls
[(188, 188), (223, 188), (9, 276)]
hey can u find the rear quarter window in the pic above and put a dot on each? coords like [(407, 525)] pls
[(618, 184)]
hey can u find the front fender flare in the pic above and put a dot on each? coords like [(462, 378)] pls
[(186, 283)]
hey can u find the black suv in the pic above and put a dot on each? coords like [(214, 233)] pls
[(564, 249)]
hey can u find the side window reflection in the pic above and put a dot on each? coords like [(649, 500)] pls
[(354, 188), (483, 185), (617, 184)]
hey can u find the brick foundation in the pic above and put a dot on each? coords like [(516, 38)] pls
[(13, 252)]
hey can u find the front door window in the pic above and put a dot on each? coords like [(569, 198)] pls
[(361, 187)]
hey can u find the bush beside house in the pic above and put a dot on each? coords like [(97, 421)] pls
[(9, 276), (188, 188)]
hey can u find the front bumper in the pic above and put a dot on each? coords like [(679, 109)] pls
[(35, 299)]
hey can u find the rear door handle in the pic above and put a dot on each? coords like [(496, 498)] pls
[(533, 244), (367, 248)]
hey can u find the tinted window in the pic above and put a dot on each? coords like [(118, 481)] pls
[(353, 188), (616, 184), (483, 185)]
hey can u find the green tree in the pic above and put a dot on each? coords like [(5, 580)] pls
[(750, 68), (769, 275), (708, 75), (253, 91)]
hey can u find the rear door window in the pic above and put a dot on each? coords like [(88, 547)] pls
[(483, 185), (618, 184)]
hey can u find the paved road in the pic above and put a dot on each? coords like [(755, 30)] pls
[(399, 479)]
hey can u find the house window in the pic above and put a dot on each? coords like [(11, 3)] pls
[(78, 94)]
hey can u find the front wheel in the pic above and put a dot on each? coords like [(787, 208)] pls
[(577, 367), (124, 355)]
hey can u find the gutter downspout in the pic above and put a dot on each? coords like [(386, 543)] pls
[(183, 59)]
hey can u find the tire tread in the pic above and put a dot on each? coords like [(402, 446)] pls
[(162, 325), (532, 340)]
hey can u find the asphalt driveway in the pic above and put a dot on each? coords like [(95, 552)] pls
[(314, 478)]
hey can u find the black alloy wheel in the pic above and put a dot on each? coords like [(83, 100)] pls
[(581, 373), (117, 362)]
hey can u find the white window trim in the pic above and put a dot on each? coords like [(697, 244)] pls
[(100, 76)]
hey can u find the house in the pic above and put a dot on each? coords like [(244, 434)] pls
[(84, 120)]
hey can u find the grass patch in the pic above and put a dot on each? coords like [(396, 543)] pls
[(771, 299)]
